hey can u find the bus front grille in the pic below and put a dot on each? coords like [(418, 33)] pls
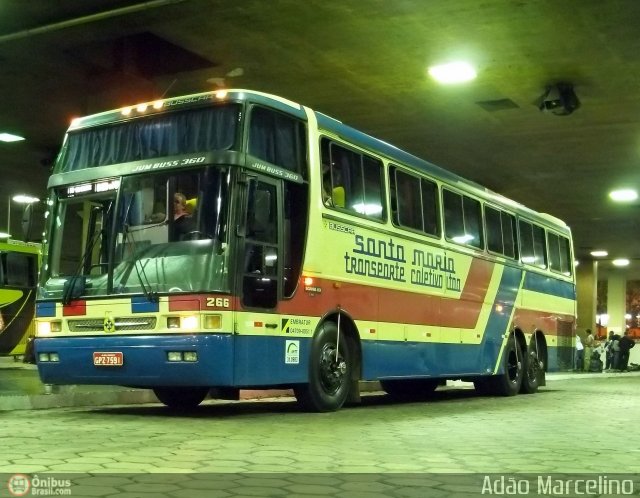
[(121, 324)]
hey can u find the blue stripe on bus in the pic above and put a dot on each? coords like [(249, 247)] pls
[(398, 359), (549, 285), (499, 319), (45, 309), (223, 360), (145, 360), (140, 304)]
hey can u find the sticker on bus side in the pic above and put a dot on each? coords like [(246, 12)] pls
[(292, 352)]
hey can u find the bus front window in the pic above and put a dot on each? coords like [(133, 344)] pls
[(171, 233), (145, 243)]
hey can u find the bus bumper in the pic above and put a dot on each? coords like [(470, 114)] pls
[(144, 360)]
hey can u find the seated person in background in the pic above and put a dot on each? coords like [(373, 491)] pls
[(182, 222)]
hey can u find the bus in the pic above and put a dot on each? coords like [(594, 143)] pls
[(18, 278), (317, 257)]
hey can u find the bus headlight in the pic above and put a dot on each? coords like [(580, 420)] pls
[(213, 321), (47, 328), (189, 322)]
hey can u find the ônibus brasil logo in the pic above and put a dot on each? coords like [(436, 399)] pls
[(19, 485)]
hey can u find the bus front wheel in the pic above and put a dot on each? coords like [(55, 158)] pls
[(181, 397), (330, 371)]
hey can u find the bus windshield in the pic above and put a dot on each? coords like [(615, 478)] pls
[(148, 234)]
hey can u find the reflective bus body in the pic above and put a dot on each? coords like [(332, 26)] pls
[(312, 257)]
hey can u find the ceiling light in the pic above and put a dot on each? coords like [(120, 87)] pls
[(623, 195), (620, 262), (24, 199), (8, 137), (599, 253), (453, 72)]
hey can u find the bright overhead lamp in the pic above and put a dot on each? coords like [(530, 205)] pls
[(9, 137), (623, 195), (453, 72), (620, 262), (24, 199), (599, 254)]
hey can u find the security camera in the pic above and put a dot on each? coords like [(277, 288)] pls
[(559, 99)]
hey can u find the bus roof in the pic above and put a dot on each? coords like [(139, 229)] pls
[(326, 123)]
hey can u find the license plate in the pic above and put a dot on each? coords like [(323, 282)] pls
[(112, 359)]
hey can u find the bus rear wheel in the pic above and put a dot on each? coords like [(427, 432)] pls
[(330, 371), (531, 375), (509, 382), (181, 397)]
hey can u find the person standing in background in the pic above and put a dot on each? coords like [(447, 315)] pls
[(579, 358), (608, 351), (625, 344), (589, 342)]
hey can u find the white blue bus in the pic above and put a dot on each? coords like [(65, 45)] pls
[(311, 256)]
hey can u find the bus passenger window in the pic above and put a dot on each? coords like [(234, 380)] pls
[(500, 232), (532, 244), (356, 182), (463, 219)]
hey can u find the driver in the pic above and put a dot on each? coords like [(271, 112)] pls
[(182, 221)]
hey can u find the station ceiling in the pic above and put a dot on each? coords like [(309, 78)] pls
[(363, 62)]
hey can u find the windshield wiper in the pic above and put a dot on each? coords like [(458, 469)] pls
[(151, 295), (71, 289)]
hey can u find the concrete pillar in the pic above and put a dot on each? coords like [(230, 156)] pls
[(586, 290), (617, 302)]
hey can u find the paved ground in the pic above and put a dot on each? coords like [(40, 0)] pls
[(578, 423)]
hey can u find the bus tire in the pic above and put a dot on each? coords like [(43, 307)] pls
[(410, 389), (509, 382), (329, 378), (531, 374), (181, 397)]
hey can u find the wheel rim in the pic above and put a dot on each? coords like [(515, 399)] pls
[(332, 370), (513, 367), (533, 365)]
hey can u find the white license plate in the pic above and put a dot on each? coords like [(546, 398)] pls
[(111, 359)]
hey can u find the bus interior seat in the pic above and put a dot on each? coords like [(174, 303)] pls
[(191, 205), (338, 197)]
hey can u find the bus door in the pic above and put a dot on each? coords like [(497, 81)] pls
[(260, 275)]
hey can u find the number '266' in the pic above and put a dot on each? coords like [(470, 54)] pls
[(218, 302)]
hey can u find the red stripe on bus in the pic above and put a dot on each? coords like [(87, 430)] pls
[(184, 303), (75, 308), (198, 302), (550, 323), (388, 305)]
